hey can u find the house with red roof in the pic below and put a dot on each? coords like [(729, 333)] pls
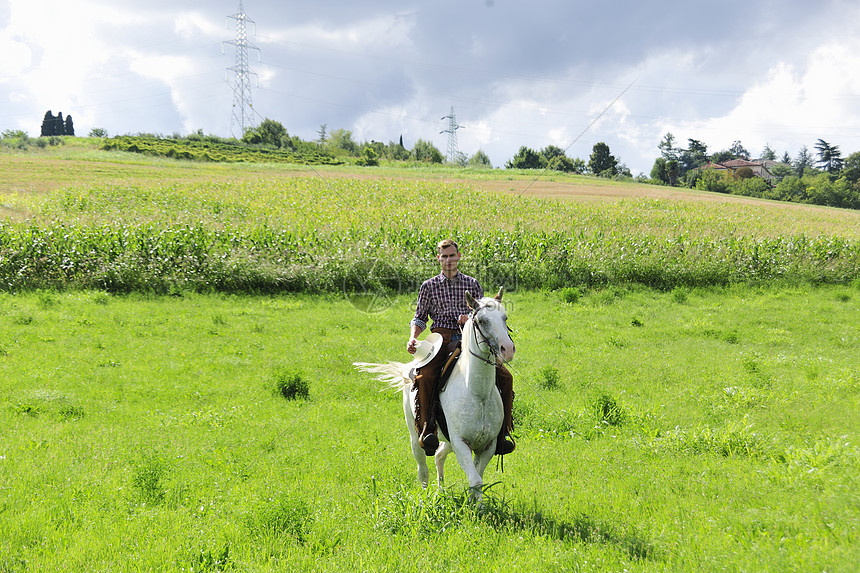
[(759, 167)]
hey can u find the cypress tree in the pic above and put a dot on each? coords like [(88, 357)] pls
[(48, 124), (70, 126)]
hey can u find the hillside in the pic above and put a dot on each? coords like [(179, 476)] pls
[(77, 217), (81, 163)]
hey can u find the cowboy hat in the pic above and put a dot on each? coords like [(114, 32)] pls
[(425, 350)]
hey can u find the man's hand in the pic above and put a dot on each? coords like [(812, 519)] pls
[(412, 345)]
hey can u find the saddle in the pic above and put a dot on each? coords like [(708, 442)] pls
[(438, 412)]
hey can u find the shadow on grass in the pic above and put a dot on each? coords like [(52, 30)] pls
[(405, 513)]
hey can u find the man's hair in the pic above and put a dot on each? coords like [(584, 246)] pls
[(445, 243)]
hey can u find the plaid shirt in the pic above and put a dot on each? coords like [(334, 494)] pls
[(443, 299)]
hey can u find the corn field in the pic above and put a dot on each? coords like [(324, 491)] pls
[(346, 235)]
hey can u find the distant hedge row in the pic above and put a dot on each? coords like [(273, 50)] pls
[(151, 258), (217, 151)]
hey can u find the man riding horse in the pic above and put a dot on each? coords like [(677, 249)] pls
[(442, 299)]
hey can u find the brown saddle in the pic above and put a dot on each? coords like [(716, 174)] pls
[(438, 412), (447, 369)]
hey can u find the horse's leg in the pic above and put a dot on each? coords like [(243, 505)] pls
[(482, 460), (441, 454), (464, 457), (417, 450)]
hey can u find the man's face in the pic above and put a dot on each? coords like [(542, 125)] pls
[(448, 257)]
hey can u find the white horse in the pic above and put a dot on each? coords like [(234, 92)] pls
[(471, 402)]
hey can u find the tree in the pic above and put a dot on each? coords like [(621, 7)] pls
[(672, 170), (782, 170), (59, 124), (694, 156), (829, 156), (601, 161), (720, 156), (658, 171), (480, 160), (48, 124), (551, 152), (426, 151), (851, 167), (526, 158), (786, 158), (667, 147), (768, 153), (269, 132), (739, 151), (396, 151), (802, 162), (98, 132), (323, 134), (341, 139), (744, 173), (369, 157), (70, 126)]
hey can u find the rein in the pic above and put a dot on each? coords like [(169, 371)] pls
[(475, 329)]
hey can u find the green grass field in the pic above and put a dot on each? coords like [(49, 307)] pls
[(693, 427)]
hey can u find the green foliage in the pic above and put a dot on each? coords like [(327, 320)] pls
[(291, 384), (602, 162), (818, 189), (148, 479), (281, 517), (426, 152), (851, 168), (480, 160), (549, 378), (219, 150), (570, 295), (716, 180), (14, 134), (302, 234), (269, 132), (340, 141), (369, 157), (658, 171), (526, 158)]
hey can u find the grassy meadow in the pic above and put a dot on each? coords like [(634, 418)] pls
[(176, 343)]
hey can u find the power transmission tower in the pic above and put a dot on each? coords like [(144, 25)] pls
[(243, 106), (453, 126)]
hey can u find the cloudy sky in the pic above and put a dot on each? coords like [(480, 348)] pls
[(778, 72)]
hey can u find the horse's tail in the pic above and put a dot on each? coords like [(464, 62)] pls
[(390, 373)]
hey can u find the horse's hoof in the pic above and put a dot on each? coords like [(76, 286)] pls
[(430, 443)]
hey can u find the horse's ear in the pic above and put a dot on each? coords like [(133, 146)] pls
[(470, 301), (499, 294)]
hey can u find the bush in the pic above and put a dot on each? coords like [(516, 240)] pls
[(549, 378), (570, 294), (608, 410), (290, 384), (714, 180)]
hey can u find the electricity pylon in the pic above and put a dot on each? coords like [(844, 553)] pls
[(453, 126), (243, 105)]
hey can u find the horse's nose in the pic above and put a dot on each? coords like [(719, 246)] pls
[(507, 351)]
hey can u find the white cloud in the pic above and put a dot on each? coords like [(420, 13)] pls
[(793, 105)]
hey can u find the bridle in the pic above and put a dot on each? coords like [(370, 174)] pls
[(476, 328)]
